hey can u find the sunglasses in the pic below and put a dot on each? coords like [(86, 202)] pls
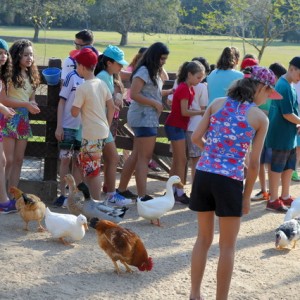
[(80, 45)]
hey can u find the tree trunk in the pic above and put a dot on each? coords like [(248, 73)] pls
[(124, 39), (36, 34)]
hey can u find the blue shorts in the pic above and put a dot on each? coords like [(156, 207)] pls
[(144, 131), (282, 160), (266, 155), (70, 141), (174, 133), (109, 139), (218, 193)]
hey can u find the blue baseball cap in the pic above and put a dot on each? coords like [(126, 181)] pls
[(3, 45), (116, 54)]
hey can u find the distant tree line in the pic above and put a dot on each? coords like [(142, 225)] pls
[(256, 22)]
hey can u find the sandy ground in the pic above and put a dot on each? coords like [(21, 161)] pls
[(35, 266)]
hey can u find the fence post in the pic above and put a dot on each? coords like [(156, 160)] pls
[(50, 170)]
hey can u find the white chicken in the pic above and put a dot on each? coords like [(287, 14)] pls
[(155, 208), (62, 226), (286, 233), (294, 210)]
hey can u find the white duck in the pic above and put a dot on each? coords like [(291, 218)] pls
[(65, 225), (157, 207), (294, 210)]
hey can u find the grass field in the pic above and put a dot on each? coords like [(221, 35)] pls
[(57, 43)]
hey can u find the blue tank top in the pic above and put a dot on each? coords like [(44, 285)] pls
[(227, 140)]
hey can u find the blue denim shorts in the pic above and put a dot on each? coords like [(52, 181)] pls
[(174, 133), (144, 131)]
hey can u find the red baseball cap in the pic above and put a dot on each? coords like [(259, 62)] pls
[(248, 62), (87, 57)]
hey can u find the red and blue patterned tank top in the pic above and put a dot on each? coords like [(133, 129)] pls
[(227, 140)]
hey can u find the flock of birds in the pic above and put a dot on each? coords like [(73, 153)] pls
[(120, 244)]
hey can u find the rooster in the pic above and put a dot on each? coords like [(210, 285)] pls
[(122, 244), (30, 206)]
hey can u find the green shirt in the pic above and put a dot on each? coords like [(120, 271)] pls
[(282, 133)]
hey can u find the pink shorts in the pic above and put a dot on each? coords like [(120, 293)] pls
[(89, 157)]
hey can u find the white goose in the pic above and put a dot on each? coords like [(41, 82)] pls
[(294, 210), (157, 207), (65, 225)]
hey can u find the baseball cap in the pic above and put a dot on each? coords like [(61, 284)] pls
[(116, 54), (87, 57), (266, 77), (295, 62), (3, 45), (248, 62)]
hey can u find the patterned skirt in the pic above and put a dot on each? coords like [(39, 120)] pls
[(18, 126)]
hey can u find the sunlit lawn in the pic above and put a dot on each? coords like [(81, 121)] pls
[(182, 47)]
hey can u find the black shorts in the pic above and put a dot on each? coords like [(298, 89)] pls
[(213, 192)]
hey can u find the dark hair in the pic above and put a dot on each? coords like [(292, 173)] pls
[(228, 59), (102, 63), (6, 71), (249, 55), (151, 60), (243, 90), (278, 69), (192, 67), (137, 57), (16, 51), (204, 62), (85, 35), (118, 84)]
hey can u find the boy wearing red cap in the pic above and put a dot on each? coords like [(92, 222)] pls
[(92, 98), (281, 138)]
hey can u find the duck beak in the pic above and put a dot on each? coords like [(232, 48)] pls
[(180, 185), (85, 225)]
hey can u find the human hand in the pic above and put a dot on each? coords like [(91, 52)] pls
[(59, 134), (33, 108), (118, 99), (7, 111), (158, 106)]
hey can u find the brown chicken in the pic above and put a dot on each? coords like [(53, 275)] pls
[(122, 244), (30, 207)]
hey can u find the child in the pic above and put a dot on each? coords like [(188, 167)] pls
[(6, 205), (190, 74), (21, 97), (67, 131), (228, 125), (143, 114), (263, 194), (91, 99), (109, 63), (282, 138)]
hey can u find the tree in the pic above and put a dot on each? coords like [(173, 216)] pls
[(124, 16), (250, 20), (42, 13)]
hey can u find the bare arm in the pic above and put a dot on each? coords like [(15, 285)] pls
[(292, 118), (59, 132), (186, 112), (110, 110)]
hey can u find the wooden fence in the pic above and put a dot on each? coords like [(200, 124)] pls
[(45, 126)]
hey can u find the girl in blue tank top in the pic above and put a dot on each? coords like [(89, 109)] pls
[(228, 127)]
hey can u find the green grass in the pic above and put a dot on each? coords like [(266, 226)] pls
[(182, 47)]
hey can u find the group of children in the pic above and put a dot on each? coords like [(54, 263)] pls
[(220, 136)]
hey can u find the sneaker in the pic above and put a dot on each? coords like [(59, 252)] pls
[(146, 198), (10, 208), (119, 200), (260, 196), (154, 166), (287, 202), (295, 176), (59, 202), (127, 194), (276, 205), (184, 199)]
